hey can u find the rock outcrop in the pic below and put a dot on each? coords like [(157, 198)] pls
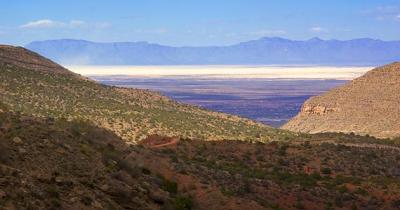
[(366, 105)]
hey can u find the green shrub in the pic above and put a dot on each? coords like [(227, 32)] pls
[(146, 171), (282, 150), (299, 205), (170, 186), (326, 171), (4, 153), (361, 191), (87, 200), (183, 203)]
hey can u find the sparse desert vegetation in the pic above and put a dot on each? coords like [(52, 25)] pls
[(132, 114), (328, 171), (74, 164), (368, 105)]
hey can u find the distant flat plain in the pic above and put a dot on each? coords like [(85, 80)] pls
[(269, 94), (271, 72)]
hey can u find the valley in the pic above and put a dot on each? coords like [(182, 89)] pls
[(69, 142), (268, 94), (200, 105), (270, 101)]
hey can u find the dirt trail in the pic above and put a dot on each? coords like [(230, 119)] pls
[(360, 145), (173, 142), (366, 145)]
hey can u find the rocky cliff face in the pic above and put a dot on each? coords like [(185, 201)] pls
[(366, 105)]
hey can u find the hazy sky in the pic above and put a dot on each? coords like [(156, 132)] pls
[(200, 22)]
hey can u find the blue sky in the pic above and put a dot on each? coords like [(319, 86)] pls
[(196, 23)]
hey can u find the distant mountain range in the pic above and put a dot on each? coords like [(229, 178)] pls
[(265, 51)]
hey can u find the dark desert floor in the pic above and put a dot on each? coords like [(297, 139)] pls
[(271, 101)]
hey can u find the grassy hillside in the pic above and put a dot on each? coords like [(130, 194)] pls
[(324, 171), (73, 165), (131, 113), (65, 143), (366, 105), (59, 164)]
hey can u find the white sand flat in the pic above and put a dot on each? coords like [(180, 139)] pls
[(273, 72)]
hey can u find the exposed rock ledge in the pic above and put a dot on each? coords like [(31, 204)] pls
[(317, 109)]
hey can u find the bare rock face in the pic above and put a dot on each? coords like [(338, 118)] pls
[(318, 109), (367, 105)]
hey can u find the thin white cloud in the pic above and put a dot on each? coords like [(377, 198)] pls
[(383, 13), (48, 24), (318, 29), (45, 23)]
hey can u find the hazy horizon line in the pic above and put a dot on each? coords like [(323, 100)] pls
[(315, 38)]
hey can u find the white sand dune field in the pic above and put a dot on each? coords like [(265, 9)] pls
[(265, 72)]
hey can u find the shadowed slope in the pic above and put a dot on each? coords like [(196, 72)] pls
[(46, 164), (321, 171), (56, 164)]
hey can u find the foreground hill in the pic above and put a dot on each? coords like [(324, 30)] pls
[(34, 85), (324, 171), (366, 105), (263, 51), (69, 165), (59, 164)]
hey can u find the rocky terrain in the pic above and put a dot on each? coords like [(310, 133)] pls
[(366, 105), (34, 85)]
